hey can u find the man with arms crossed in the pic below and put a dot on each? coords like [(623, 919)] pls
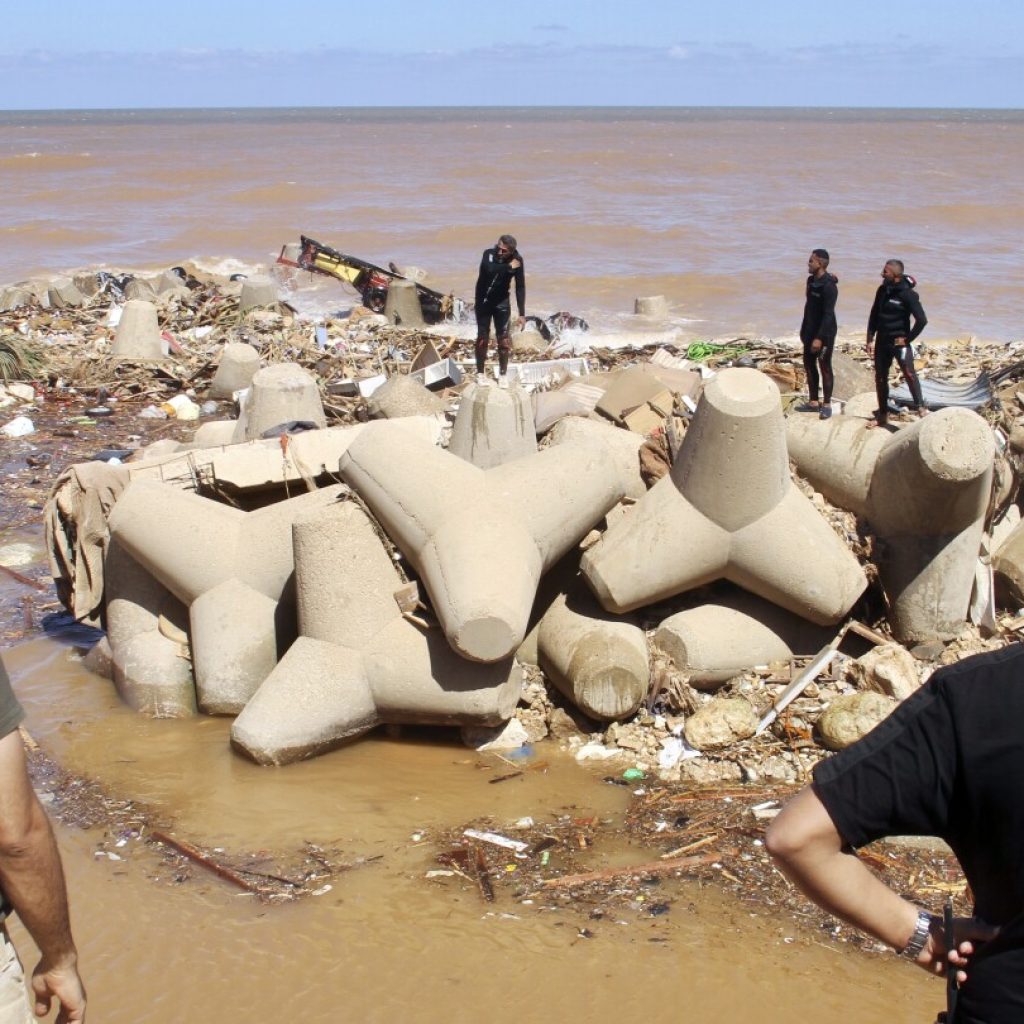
[(32, 881), (947, 762)]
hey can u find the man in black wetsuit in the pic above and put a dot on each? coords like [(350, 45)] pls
[(890, 336), (499, 267), (947, 762), (818, 331)]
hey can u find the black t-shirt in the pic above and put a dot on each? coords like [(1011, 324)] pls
[(949, 762)]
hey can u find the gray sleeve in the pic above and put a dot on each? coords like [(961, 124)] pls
[(11, 713)]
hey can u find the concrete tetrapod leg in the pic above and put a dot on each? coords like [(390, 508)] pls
[(238, 365), (402, 305), (138, 333), (597, 662), (728, 510), (480, 539), (151, 669), (193, 546), (622, 447), (927, 504), (717, 641), (279, 394), (493, 426), (401, 395), (257, 292), (358, 662)]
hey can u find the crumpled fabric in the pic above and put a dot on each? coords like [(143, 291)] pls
[(76, 534)]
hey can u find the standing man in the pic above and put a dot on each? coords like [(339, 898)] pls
[(947, 762), (498, 268), (818, 331), (32, 881), (890, 336)]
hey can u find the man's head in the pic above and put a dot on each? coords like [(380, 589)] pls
[(817, 261), (892, 271), (506, 247)]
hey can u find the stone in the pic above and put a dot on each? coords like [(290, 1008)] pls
[(510, 736), (493, 426), (720, 723), (890, 670), (62, 294), (852, 716), (728, 509), (15, 298), (562, 725), (528, 340)]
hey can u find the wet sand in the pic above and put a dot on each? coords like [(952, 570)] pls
[(385, 941)]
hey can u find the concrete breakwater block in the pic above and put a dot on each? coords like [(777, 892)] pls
[(493, 425), (63, 294), (480, 539), (257, 293), (402, 306), (598, 662), (281, 393), (358, 662), (924, 490), (651, 305), (232, 569), (138, 333), (728, 509), (239, 363), (402, 395)]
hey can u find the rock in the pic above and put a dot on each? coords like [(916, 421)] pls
[(932, 650), (626, 736), (510, 736), (534, 722), (562, 726), (852, 716), (719, 723), (701, 771), (889, 670)]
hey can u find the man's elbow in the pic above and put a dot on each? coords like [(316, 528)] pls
[(20, 834)]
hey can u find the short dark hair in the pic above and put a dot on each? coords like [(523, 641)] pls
[(822, 255), (898, 264), (508, 240)]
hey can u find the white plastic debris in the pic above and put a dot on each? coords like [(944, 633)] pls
[(598, 752), (20, 426), (496, 840)]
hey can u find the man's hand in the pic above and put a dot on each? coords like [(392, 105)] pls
[(64, 985), (816, 345), (934, 957), (869, 345), (521, 323)]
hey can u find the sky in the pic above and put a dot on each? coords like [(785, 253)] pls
[(251, 53)]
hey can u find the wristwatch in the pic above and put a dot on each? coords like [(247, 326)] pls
[(920, 936)]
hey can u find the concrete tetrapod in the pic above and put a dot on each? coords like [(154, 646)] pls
[(138, 333), (924, 490), (358, 663), (598, 662), (728, 510), (233, 569), (493, 426), (927, 504), (480, 539), (148, 667), (279, 394), (239, 363), (716, 641)]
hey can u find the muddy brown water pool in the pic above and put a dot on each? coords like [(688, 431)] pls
[(386, 943)]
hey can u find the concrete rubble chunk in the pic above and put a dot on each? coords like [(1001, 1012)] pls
[(138, 333), (15, 298), (720, 723), (728, 509), (852, 716), (493, 425), (358, 662), (480, 539), (63, 294), (597, 662), (402, 395), (258, 292), (402, 306), (194, 547), (718, 640), (890, 670), (281, 393), (239, 363)]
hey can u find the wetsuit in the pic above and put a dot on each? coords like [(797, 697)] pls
[(820, 323), (895, 304), (493, 284)]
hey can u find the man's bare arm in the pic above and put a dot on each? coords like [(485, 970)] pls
[(33, 881)]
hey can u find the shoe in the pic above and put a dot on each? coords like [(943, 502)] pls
[(826, 412), (482, 378), (503, 382)]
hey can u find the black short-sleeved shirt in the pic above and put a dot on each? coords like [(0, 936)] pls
[(949, 762)]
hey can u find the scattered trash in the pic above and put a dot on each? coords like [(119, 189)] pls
[(20, 426)]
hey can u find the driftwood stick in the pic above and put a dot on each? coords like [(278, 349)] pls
[(658, 867), (15, 575), (197, 855)]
